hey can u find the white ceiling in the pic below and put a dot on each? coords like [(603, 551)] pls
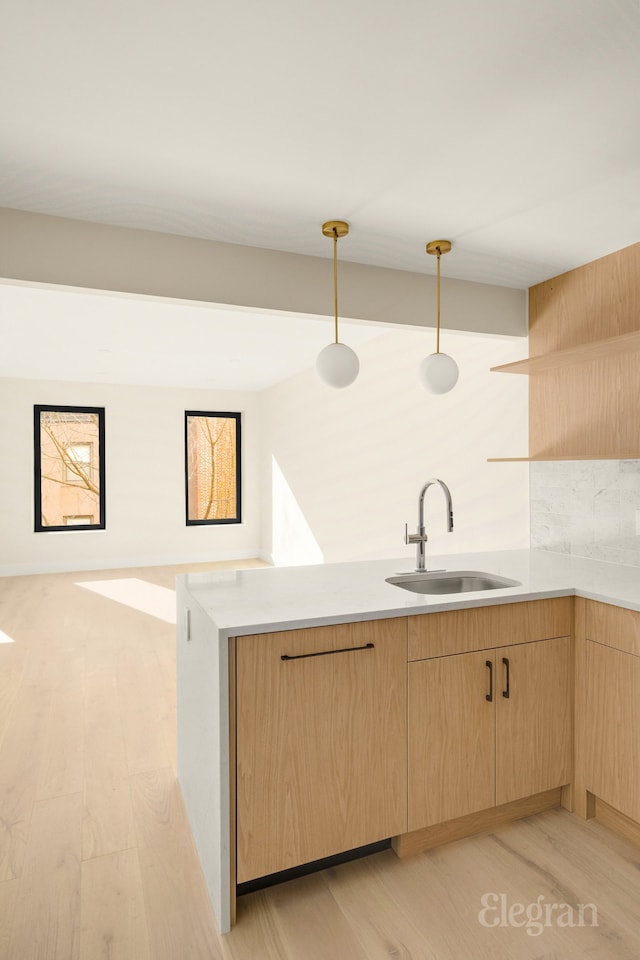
[(509, 127), (78, 336)]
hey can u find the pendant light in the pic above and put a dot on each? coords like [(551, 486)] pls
[(438, 372), (337, 365)]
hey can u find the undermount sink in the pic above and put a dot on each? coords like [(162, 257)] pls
[(451, 581)]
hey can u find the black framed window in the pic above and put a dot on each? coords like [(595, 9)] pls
[(213, 476), (69, 468)]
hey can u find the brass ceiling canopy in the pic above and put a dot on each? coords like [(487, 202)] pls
[(436, 247), (335, 228)]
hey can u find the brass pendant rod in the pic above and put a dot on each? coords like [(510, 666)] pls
[(335, 279), (335, 229), (437, 248), (438, 302)]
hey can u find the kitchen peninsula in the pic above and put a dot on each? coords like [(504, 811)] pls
[(262, 709)]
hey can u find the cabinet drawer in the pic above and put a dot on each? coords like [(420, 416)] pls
[(613, 626), (311, 641), (479, 628)]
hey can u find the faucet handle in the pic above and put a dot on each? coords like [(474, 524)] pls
[(414, 537)]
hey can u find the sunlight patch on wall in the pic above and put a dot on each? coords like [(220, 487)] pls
[(147, 597), (5, 638), (293, 539)]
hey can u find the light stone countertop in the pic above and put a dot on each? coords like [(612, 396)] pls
[(263, 600)]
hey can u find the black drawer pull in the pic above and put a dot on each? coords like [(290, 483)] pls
[(489, 696), (325, 653), (505, 692)]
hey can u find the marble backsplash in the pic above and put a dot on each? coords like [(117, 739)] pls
[(588, 508)]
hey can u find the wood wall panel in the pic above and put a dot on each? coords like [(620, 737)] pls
[(592, 302), (591, 409)]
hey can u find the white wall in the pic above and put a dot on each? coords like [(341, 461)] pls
[(145, 508), (349, 464), (328, 474)]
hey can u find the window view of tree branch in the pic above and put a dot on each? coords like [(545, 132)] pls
[(212, 467), (69, 467)]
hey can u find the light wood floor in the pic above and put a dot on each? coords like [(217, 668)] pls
[(96, 859)]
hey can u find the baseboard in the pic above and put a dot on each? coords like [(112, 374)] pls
[(617, 821), (119, 563), (420, 840)]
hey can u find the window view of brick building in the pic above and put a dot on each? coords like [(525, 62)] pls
[(68, 453), (212, 464)]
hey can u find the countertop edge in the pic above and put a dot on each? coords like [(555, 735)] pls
[(391, 613)]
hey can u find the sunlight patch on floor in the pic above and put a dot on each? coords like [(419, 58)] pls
[(5, 638), (147, 597)]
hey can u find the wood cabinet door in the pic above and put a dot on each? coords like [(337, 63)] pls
[(533, 724), (612, 721), (321, 744), (451, 738)]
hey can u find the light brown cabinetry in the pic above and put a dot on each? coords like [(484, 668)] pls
[(493, 726), (584, 338), (339, 742), (451, 739), (533, 724), (611, 707), (480, 628), (320, 742)]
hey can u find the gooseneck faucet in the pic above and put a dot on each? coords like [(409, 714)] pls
[(420, 538)]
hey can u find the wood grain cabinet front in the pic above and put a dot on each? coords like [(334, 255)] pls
[(611, 714), (488, 728), (321, 743), (534, 729), (451, 738), (480, 628)]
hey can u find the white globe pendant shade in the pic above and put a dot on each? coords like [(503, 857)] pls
[(438, 373), (337, 365)]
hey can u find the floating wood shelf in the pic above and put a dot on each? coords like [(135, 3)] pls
[(560, 456), (596, 350)]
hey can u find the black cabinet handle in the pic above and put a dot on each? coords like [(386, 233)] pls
[(489, 696), (325, 653), (505, 692)]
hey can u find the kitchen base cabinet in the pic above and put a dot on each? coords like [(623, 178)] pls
[(608, 763), (613, 727), (297, 745), (488, 728), (320, 742)]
